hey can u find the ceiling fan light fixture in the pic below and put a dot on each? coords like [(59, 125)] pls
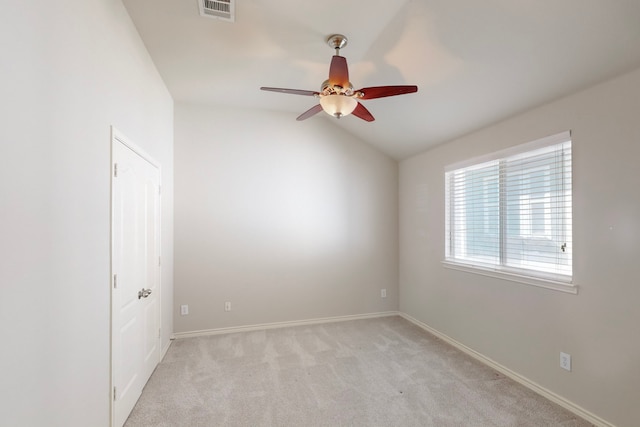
[(338, 105)]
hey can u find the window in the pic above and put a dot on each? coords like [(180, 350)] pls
[(510, 212)]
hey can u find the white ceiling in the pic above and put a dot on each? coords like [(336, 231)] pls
[(475, 62)]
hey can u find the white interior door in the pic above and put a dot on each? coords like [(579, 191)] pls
[(135, 350)]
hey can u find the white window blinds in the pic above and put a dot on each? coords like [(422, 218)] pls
[(512, 211)]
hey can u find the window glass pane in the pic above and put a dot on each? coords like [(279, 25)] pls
[(476, 214), (535, 232)]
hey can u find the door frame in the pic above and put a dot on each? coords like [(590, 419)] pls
[(118, 137)]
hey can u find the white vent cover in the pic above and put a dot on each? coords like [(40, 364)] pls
[(218, 9)]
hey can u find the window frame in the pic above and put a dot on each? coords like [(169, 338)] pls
[(500, 270)]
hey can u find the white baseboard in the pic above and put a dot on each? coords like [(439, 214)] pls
[(570, 406), (164, 350), (275, 325)]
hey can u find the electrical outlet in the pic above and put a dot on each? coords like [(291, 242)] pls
[(565, 361), (227, 306), (184, 310), (383, 293)]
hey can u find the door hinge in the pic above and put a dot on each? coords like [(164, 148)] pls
[(114, 394), (159, 330), (115, 281), (159, 190), (115, 170), (159, 261)]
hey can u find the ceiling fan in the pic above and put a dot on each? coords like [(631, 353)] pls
[(337, 97)]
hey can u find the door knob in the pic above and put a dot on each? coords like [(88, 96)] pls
[(144, 293)]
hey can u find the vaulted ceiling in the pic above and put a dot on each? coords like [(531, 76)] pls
[(475, 62)]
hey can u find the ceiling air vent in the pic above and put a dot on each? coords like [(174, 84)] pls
[(218, 9)]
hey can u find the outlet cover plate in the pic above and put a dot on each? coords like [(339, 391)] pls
[(565, 361)]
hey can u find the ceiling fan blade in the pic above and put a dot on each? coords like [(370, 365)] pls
[(382, 91), (290, 91), (363, 113), (310, 112), (338, 71)]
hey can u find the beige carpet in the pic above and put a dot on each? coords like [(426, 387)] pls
[(376, 372)]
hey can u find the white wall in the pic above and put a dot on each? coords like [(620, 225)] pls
[(286, 220), (70, 70), (521, 327)]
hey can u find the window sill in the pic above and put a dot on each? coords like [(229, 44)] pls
[(554, 285)]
